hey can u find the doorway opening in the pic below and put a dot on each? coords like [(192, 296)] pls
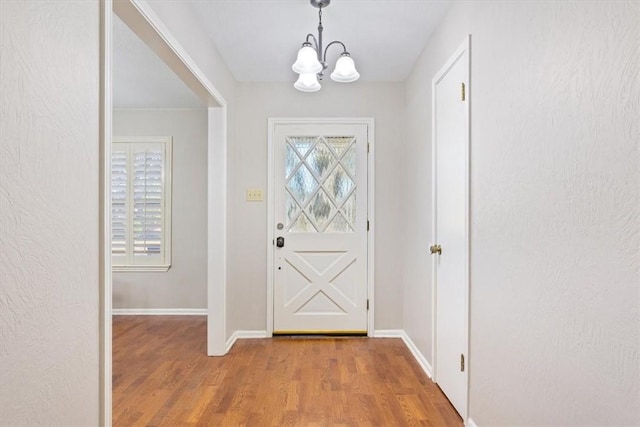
[(140, 18)]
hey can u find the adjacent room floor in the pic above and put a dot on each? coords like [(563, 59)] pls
[(162, 376)]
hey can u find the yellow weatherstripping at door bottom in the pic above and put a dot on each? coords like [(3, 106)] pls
[(321, 332)]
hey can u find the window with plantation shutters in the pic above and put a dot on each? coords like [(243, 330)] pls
[(141, 203)]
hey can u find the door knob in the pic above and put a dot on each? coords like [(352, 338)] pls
[(436, 249)]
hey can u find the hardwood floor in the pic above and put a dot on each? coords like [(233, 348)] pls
[(162, 376)]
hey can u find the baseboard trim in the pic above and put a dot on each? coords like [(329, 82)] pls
[(388, 333), (471, 423), (399, 333), (422, 361), (239, 335), (159, 312)]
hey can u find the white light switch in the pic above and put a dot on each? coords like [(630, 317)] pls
[(254, 195)]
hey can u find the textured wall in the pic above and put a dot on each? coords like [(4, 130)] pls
[(248, 169), (185, 284), (49, 213), (555, 261)]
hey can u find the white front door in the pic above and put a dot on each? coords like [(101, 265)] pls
[(319, 228), (451, 196)]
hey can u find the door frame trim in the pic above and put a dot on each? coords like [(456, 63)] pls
[(463, 49), (141, 18), (370, 122)]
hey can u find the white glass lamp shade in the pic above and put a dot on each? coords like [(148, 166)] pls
[(307, 82), (345, 71), (307, 62)]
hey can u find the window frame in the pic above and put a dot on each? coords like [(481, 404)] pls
[(129, 262)]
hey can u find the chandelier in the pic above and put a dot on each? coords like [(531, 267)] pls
[(312, 60)]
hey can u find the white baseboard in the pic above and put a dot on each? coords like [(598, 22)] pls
[(422, 361), (159, 311), (399, 333), (388, 333), (238, 335), (471, 423)]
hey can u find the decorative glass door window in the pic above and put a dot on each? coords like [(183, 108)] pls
[(320, 184)]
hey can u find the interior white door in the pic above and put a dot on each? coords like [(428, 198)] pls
[(320, 228), (451, 195)]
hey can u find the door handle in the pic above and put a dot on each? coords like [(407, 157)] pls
[(280, 242), (436, 249)]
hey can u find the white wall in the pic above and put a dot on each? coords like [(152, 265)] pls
[(49, 204), (555, 203), (185, 284), (247, 235)]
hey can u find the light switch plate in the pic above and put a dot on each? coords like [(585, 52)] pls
[(254, 195)]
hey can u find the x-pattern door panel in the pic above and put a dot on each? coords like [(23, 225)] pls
[(320, 202), (319, 284)]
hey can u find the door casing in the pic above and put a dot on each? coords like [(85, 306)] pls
[(369, 121), (463, 49)]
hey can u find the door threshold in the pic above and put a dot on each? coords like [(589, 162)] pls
[(319, 334)]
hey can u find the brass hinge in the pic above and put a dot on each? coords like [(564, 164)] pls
[(367, 225), (462, 363), (367, 304), (463, 92)]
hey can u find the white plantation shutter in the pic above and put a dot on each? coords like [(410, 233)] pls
[(119, 205), (141, 203), (147, 202)]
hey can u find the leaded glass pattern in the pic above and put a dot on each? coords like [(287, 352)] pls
[(320, 184)]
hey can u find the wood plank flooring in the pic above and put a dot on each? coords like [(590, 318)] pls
[(162, 376)]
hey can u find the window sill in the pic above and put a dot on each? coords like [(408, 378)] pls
[(140, 268)]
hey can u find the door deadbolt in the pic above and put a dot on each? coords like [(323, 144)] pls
[(436, 249), (280, 242)]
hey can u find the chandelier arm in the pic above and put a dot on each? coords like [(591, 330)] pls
[(344, 50), (315, 41)]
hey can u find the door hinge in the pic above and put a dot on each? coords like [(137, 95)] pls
[(367, 304), (462, 363), (367, 225), (463, 92), (368, 147)]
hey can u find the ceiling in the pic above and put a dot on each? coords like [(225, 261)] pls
[(259, 39)]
